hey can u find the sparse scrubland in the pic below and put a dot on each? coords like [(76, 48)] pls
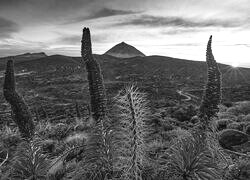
[(125, 137)]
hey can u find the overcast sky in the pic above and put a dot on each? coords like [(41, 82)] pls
[(177, 28)]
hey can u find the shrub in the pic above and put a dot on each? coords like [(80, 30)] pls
[(190, 158), (59, 131), (240, 108), (48, 146), (29, 162), (236, 126), (240, 118), (240, 170), (130, 133), (248, 129), (244, 107), (233, 110), (222, 124), (183, 113), (226, 115), (222, 108), (246, 118), (227, 104)]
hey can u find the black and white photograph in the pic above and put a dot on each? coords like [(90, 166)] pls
[(124, 89)]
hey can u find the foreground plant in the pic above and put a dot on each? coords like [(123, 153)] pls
[(22, 116), (190, 159), (29, 162), (95, 79), (96, 163), (212, 94), (130, 132)]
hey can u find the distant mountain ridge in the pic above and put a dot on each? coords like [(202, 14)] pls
[(124, 50), (166, 70), (138, 68), (23, 57)]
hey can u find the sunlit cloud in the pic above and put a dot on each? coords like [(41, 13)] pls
[(102, 13), (161, 21)]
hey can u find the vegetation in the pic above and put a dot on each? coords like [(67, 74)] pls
[(22, 116), (125, 137), (96, 86), (130, 133), (212, 94)]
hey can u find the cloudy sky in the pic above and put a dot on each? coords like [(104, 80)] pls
[(177, 28)]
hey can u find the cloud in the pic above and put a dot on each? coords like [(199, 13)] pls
[(7, 27), (76, 39), (104, 12), (49, 4), (160, 21), (246, 45), (40, 11), (70, 39), (10, 47)]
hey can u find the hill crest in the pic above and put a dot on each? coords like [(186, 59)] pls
[(124, 50)]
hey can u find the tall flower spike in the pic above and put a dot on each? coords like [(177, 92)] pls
[(96, 163), (130, 132), (86, 44), (9, 81), (95, 79), (212, 94), (22, 115)]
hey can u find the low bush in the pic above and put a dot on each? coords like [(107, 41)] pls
[(235, 125), (227, 103), (183, 113), (226, 115), (240, 170), (240, 108), (246, 118), (248, 129), (222, 124), (189, 158)]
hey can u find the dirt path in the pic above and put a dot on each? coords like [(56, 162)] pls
[(187, 96)]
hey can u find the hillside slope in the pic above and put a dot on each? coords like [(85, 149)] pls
[(142, 68), (61, 79)]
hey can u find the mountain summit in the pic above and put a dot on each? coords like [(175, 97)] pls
[(123, 50)]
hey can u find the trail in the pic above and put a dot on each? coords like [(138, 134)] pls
[(187, 95), (188, 98)]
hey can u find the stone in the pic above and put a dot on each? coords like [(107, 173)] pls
[(230, 137)]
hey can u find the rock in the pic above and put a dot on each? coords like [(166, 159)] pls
[(230, 137)]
